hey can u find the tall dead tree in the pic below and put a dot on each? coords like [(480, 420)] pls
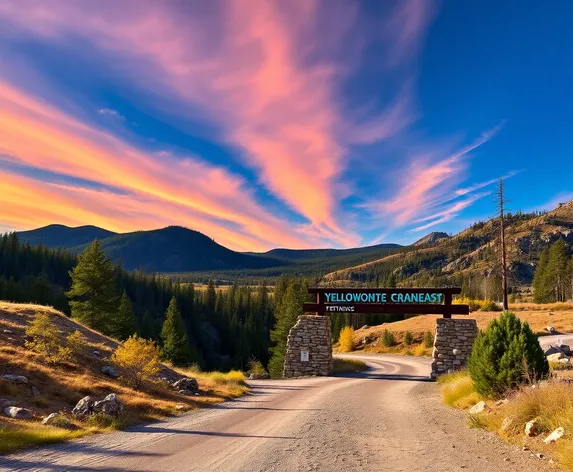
[(501, 212)]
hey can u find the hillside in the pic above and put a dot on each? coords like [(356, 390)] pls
[(473, 252), (63, 237), (431, 238), (57, 388)]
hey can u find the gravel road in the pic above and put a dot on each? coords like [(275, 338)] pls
[(386, 419)]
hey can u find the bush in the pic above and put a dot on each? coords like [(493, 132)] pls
[(489, 305), (346, 339), (139, 359), (408, 338), (75, 344), (505, 355), (388, 339), (46, 339), (256, 368), (428, 340)]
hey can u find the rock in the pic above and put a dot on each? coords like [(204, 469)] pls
[(56, 418), (110, 405), (16, 412), (554, 436), (565, 349), (532, 427), (7, 331), (35, 392), (507, 423), (180, 407), (552, 350), (96, 353), (555, 357), (456, 352), (186, 385), (550, 329), (364, 327), (110, 371), (564, 360), (84, 407), (5, 402), (477, 408), (502, 402), (15, 378), (263, 376)]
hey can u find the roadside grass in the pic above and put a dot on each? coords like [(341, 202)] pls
[(551, 403), (230, 384), (345, 365)]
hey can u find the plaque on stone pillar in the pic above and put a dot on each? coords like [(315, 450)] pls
[(304, 354)]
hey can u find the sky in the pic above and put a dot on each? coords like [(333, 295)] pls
[(299, 123)]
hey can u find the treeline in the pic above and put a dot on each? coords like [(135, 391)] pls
[(553, 280)]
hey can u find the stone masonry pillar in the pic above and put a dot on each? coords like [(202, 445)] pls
[(309, 347), (452, 344)]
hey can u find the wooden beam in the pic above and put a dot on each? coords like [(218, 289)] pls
[(406, 308)]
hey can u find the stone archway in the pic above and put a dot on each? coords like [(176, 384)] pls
[(309, 346)]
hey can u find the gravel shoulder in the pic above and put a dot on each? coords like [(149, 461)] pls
[(388, 418)]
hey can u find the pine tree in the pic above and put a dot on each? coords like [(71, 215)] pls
[(540, 292), (124, 323), (391, 280), (175, 343), (93, 293), (556, 277)]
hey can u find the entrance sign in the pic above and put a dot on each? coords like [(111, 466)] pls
[(386, 300), (304, 355)]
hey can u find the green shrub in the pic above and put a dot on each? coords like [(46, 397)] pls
[(505, 355), (388, 339), (428, 340), (408, 338)]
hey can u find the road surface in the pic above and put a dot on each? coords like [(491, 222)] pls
[(386, 419)]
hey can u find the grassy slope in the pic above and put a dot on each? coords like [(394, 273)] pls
[(63, 385)]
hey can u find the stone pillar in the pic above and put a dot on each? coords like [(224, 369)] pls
[(310, 336), (452, 344)]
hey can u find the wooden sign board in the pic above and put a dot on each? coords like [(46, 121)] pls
[(386, 300)]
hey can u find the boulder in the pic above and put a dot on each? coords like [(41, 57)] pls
[(16, 412), (7, 331), (532, 427), (15, 378), (186, 385), (552, 350), (262, 376), (564, 360), (84, 407), (55, 418), (507, 423), (554, 436), (110, 405), (110, 371), (550, 329), (555, 357), (477, 408)]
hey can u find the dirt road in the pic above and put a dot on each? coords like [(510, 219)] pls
[(387, 419)]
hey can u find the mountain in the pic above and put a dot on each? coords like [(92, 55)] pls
[(309, 254), (60, 236), (472, 255), (176, 249), (431, 238)]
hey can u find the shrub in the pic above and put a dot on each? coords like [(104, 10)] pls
[(46, 339), (346, 339), (75, 344), (505, 355), (256, 367), (139, 359), (388, 339), (428, 340), (408, 338), (489, 305)]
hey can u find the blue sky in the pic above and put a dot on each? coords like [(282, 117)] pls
[(292, 124)]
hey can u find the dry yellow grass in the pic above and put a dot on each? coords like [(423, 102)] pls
[(62, 385), (552, 403), (346, 365)]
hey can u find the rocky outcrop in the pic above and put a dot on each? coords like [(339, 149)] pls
[(15, 378), (110, 405), (187, 386), (17, 412), (309, 350), (110, 371), (56, 419), (84, 407)]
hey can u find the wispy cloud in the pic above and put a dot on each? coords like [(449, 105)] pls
[(111, 113)]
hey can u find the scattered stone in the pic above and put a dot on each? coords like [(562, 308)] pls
[(84, 407), (186, 386), (554, 436), (52, 418), (507, 423), (15, 378), (555, 357), (35, 392), (180, 407), (364, 327), (16, 412), (477, 408), (524, 448), (110, 405), (502, 402), (96, 353), (564, 360), (263, 376), (110, 371), (540, 456), (550, 329), (532, 427), (7, 331)]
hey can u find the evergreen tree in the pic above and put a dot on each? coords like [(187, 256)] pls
[(391, 280), (93, 293), (124, 323), (175, 343), (556, 276), (147, 328)]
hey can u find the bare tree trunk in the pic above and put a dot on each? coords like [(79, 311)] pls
[(502, 240)]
